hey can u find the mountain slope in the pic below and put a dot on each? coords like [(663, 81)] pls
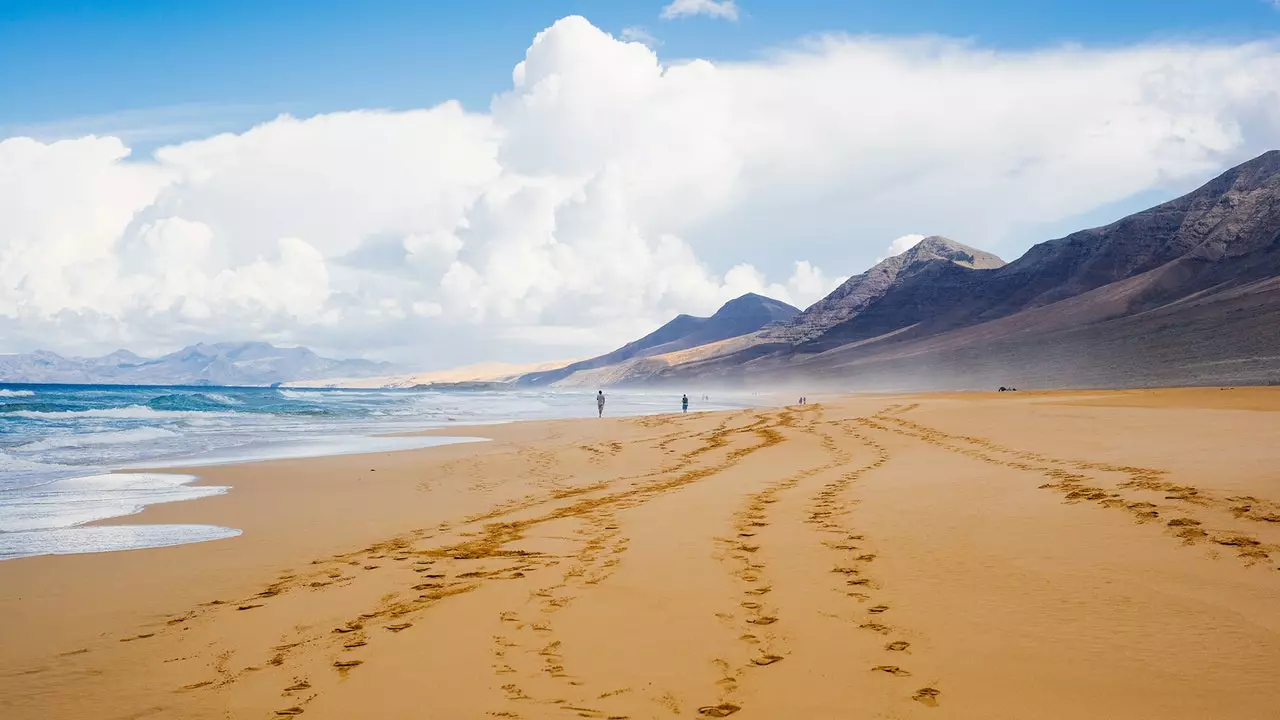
[(254, 363), (1193, 277), (740, 316), (859, 292)]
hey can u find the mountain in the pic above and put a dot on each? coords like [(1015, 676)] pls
[(859, 292), (740, 316), (253, 363), (1187, 292)]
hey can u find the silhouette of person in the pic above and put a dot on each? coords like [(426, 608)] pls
[(600, 402), (684, 403)]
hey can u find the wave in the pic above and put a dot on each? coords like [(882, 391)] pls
[(191, 402), (16, 393), (135, 435), (129, 412), (224, 399)]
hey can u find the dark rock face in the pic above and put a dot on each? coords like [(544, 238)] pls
[(1090, 308), (1235, 214), (740, 316)]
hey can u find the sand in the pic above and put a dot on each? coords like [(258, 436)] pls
[(1017, 555)]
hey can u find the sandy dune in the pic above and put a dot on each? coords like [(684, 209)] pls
[(1067, 555)]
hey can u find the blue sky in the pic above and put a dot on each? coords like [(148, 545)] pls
[(199, 64)]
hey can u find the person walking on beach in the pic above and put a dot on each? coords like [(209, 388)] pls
[(684, 403), (600, 402)]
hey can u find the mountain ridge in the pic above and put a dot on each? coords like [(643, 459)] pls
[(1212, 254), (740, 316), (247, 363)]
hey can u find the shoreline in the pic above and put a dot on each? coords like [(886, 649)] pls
[(638, 542)]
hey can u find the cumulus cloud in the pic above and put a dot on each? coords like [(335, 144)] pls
[(726, 9), (900, 245), (603, 192)]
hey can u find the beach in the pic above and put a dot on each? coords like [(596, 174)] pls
[(1106, 554)]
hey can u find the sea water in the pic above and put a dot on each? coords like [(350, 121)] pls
[(75, 454)]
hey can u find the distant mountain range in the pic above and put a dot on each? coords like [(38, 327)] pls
[(1187, 292), (252, 363)]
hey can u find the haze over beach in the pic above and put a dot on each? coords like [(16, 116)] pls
[(639, 360)]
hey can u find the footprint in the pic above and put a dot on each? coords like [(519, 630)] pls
[(399, 626), (891, 669), (898, 645), (298, 686), (766, 660), (765, 620), (248, 607), (345, 664), (876, 627), (718, 711), (295, 710), (928, 696), (355, 644), (878, 609), (197, 686)]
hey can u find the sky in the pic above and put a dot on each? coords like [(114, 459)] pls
[(442, 183)]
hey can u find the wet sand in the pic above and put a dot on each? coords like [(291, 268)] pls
[(1017, 555)]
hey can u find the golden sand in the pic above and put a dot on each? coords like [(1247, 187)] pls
[(1047, 555)]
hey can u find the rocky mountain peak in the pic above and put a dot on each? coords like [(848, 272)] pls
[(937, 247)]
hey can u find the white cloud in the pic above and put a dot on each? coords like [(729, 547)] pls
[(900, 245), (726, 9), (601, 194), (642, 35)]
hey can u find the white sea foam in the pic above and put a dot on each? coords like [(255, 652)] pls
[(16, 393), (131, 412), (74, 501), (10, 464), (134, 435), (106, 538)]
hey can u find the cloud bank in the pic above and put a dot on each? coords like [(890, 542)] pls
[(602, 193)]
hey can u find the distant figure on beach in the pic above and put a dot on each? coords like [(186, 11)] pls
[(600, 402), (684, 403)]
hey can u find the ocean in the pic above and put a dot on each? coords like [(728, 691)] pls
[(71, 454)]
